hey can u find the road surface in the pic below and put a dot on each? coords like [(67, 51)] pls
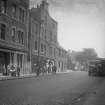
[(61, 89)]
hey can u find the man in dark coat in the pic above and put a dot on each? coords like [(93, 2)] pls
[(18, 71)]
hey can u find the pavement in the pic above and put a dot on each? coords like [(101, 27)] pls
[(2, 78), (13, 78)]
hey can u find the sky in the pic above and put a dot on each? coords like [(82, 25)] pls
[(81, 23)]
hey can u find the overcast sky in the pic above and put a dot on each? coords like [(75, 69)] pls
[(81, 23)]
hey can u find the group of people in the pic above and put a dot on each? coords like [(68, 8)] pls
[(45, 68), (12, 70)]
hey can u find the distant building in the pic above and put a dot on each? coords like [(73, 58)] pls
[(61, 59), (70, 64), (14, 34)]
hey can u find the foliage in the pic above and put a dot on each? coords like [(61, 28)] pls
[(86, 55)]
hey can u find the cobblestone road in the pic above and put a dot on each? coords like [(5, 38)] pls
[(60, 89)]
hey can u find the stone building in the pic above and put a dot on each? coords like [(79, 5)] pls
[(33, 43), (43, 33), (14, 34)]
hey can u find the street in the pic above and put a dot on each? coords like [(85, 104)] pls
[(61, 89)]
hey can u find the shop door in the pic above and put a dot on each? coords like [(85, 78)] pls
[(7, 59)]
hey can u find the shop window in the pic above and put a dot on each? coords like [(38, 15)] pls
[(2, 6), (2, 31)]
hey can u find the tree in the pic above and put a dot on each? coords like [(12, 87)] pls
[(86, 55)]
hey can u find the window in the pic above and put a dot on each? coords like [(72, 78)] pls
[(21, 15), (45, 33), (14, 11), (3, 6), (59, 53), (20, 37), (13, 34), (51, 36), (36, 30), (51, 51), (2, 31), (42, 48), (45, 49), (36, 45)]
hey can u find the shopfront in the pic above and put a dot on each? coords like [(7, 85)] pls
[(4, 61), (8, 57)]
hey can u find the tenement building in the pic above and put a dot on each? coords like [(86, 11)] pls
[(14, 34), (43, 35), (43, 43)]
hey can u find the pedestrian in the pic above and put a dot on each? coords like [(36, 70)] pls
[(54, 69), (18, 71), (4, 70), (11, 70), (38, 69), (49, 69), (8, 69)]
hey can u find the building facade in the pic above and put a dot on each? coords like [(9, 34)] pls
[(61, 59), (14, 34), (43, 35)]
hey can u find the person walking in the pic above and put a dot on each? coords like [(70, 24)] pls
[(54, 69), (18, 71)]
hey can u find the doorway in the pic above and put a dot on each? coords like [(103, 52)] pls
[(4, 61)]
